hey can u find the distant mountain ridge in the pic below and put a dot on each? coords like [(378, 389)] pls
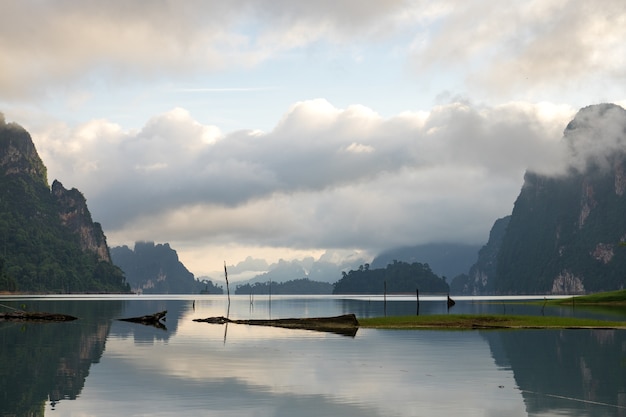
[(50, 242), (444, 259), (155, 269)]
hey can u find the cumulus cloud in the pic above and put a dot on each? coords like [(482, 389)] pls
[(324, 177)]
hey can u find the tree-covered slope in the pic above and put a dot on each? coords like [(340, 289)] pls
[(445, 259), (565, 231), (397, 277), (39, 250)]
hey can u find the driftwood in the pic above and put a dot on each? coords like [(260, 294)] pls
[(346, 324), (149, 320), (35, 316)]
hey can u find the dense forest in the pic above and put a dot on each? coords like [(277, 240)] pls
[(296, 286), (397, 277), (38, 253)]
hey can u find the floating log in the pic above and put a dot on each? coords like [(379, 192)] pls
[(346, 324), (149, 320), (35, 316)]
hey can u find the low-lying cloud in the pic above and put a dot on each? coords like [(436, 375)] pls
[(324, 177)]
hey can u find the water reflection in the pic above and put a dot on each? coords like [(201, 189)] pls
[(100, 366), (583, 371), (41, 361)]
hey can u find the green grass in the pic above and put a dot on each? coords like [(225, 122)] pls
[(611, 297), (493, 321)]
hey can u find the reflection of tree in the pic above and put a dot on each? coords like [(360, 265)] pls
[(41, 361), (567, 368)]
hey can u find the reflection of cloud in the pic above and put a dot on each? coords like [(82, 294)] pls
[(380, 373)]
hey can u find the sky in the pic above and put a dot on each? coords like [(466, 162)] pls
[(253, 129)]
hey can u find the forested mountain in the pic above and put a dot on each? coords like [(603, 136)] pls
[(397, 277), (49, 241), (156, 269), (445, 259), (567, 231)]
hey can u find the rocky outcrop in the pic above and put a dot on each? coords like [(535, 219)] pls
[(155, 269), (565, 230), (567, 283), (18, 155), (482, 274), (75, 215)]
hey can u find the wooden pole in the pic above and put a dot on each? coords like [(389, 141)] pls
[(385, 298), (227, 288), (417, 297)]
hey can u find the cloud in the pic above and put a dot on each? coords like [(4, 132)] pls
[(595, 136), (324, 177), (501, 47), (51, 44), (331, 172), (526, 47)]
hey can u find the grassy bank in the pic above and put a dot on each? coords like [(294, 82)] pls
[(602, 298), (471, 321)]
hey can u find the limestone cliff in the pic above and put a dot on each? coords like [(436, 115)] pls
[(75, 215), (482, 275), (156, 269), (49, 241), (566, 231), (18, 155)]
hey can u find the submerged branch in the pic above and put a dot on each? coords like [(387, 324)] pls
[(35, 316), (149, 320)]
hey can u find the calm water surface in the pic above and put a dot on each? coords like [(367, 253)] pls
[(99, 366)]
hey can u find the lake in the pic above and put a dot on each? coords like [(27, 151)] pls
[(99, 366)]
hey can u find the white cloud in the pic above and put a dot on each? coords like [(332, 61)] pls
[(369, 164), (413, 178), (529, 47), (500, 47)]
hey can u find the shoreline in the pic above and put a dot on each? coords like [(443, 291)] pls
[(486, 322)]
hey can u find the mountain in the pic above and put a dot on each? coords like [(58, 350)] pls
[(49, 240), (566, 233), (480, 279), (445, 259), (327, 269), (156, 269)]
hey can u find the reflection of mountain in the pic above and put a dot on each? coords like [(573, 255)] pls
[(41, 361), (566, 369)]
